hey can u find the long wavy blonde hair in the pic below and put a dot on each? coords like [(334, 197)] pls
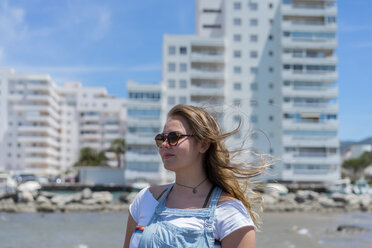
[(221, 165)]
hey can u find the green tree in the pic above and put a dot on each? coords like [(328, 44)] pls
[(90, 157), (118, 147), (356, 165)]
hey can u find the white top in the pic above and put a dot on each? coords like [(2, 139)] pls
[(229, 216)]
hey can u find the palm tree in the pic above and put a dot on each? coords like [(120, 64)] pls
[(118, 147), (90, 157)]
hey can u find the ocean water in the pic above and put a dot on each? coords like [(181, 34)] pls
[(97, 230)]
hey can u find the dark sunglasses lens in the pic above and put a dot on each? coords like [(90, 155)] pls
[(173, 138), (159, 139)]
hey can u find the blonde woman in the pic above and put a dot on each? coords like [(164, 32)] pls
[(206, 206)]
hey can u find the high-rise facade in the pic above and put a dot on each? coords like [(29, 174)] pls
[(43, 126), (271, 63)]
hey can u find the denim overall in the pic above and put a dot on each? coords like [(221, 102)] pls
[(162, 234)]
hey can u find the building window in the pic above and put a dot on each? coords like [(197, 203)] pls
[(237, 102), (253, 22), (182, 100), (271, 118), (271, 53), (254, 103), (212, 26), (171, 67), (254, 70), (171, 100), (171, 83), (171, 50), (237, 69), (237, 54), (253, 6), (271, 85), (237, 5), (237, 22), (254, 119), (237, 37), (253, 54), (254, 86), (183, 50), (271, 69), (183, 84), (253, 38), (183, 67), (237, 86), (270, 5), (271, 37)]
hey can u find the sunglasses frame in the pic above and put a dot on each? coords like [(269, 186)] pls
[(165, 137)]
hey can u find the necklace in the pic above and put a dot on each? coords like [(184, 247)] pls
[(194, 191)]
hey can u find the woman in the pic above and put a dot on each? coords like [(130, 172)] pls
[(207, 205)]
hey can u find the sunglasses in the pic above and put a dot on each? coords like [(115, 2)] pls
[(171, 137)]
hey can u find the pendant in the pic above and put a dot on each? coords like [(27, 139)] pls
[(194, 191)]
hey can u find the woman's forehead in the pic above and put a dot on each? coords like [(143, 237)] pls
[(176, 123)]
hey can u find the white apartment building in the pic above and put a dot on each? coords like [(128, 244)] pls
[(272, 60), (143, 162), (43, 126)]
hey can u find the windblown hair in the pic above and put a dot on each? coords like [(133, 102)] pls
[(220, 164)]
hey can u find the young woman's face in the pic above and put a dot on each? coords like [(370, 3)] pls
[(187, 151)]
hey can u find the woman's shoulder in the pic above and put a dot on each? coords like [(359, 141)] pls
[(157, 190), (225, 197)]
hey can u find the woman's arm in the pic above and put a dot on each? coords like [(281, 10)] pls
[(242, 238), (131, 226)]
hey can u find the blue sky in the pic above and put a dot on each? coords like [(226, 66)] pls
[(106, 43)]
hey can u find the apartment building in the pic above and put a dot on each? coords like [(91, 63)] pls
[(270, 63), (43, 125), (143, 122)]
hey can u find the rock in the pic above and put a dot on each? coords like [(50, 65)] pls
[(77, 197), (86, 193), (338, 197), (26, 207), (46, 207), (329, 203), (25, 196), (352, 228), (41, 199), (102, 197), (46, 194), (365, 202), (60, 200), (268, 199), (124, 197), (88, 201)]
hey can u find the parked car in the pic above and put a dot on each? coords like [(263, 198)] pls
[(8, 185), (21, 178)]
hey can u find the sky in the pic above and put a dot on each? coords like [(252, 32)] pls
[(106, 43)]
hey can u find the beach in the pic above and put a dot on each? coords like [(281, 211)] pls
[(97, 230)]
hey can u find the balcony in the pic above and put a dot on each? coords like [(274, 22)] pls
[(90, 118), (207, 90), (43, 118), (311, 158), (141, 140), (94, 145), (40, 160), (289, 42), (39, 129), (38, 139), (143, 157), (292, 59), (303, 125), (306, 10), (200, 56), (306, 92), (41, 150), (297, 26), (92, 127), (203, 99), (310, 107), (207, 73), (326, 77), (310, 141)]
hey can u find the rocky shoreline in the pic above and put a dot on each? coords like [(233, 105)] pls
[(88, 201)]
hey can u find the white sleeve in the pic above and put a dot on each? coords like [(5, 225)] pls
[(134, 207), (230, 216)]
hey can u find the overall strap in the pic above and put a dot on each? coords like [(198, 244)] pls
[(162, 201), (213, 205), (208, 197)]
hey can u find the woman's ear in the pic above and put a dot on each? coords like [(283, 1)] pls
[(204, 146)]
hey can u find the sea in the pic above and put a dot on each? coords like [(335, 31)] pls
[(97, 230)]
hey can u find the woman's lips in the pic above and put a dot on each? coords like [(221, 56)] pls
[(167, 156)]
